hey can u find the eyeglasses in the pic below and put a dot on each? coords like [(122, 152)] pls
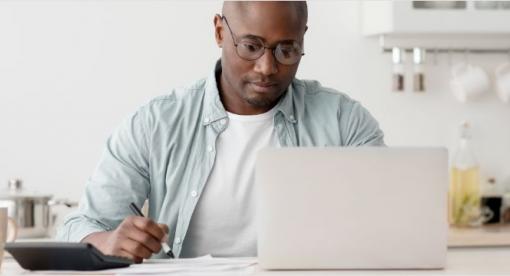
[(252, 48)]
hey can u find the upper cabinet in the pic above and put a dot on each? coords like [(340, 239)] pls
[(439, 24)]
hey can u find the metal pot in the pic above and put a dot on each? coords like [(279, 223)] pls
[(30, 211)]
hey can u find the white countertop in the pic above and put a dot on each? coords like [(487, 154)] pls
[(460, 261)]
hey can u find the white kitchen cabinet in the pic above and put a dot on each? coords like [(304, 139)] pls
[(442, 25)]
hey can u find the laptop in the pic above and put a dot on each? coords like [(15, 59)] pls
[(352, 208)]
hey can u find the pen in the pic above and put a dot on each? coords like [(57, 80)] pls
[(166, 248)]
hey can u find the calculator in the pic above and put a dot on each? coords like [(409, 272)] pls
[(62, 256)]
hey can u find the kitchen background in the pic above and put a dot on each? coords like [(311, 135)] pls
[(71, 71)]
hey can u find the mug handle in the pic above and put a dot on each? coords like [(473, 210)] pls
[(12, 230), (486, 214), (459, 69)]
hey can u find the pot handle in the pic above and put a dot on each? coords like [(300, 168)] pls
[(65, 202)]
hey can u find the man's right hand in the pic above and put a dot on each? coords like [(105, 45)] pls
[(136, 238)]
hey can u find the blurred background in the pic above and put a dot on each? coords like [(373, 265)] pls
[(71, 71)]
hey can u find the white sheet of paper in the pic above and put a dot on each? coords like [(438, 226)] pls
[(205, 265)]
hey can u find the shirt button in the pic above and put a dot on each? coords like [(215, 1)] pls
[(177, 240), (206, 120), (291, 117), (223, 121), (210, 148), (194, 193)]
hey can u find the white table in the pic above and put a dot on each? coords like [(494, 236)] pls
[(461, 261)]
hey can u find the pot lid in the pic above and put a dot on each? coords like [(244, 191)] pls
[(15, 189)]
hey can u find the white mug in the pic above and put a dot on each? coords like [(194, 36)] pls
[(468, 81), (8, 231), (502, 74)]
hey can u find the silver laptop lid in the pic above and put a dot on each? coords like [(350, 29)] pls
[(352, 208)]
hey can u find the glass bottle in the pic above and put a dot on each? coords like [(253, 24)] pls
[(464, 183), (419, 70), (398, 69)]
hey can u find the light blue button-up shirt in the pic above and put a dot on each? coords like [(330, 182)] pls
[(165, 152)]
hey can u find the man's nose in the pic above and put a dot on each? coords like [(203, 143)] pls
[(266, 64)]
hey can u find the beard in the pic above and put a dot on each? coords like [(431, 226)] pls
[(261, 100)]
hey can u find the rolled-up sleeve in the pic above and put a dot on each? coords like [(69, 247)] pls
[(121, 177), (358, 127)]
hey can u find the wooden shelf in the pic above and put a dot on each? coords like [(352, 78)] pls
[(493, 235)]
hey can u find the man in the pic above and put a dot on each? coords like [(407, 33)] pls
[(192, 153)]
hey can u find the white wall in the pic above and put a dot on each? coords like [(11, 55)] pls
[(70, 71)]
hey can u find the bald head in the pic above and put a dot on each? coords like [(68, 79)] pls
[(243, 8)]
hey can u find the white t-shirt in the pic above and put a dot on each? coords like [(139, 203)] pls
[(223, 223)]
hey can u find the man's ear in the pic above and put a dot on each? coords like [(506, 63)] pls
[(218, 30)]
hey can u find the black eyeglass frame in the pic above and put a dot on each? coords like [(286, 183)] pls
[(273, 49)]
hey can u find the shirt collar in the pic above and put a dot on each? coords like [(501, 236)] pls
[(214, 109), (285, 105)]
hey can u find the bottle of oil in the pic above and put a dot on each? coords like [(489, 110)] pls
[(464, 183)]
